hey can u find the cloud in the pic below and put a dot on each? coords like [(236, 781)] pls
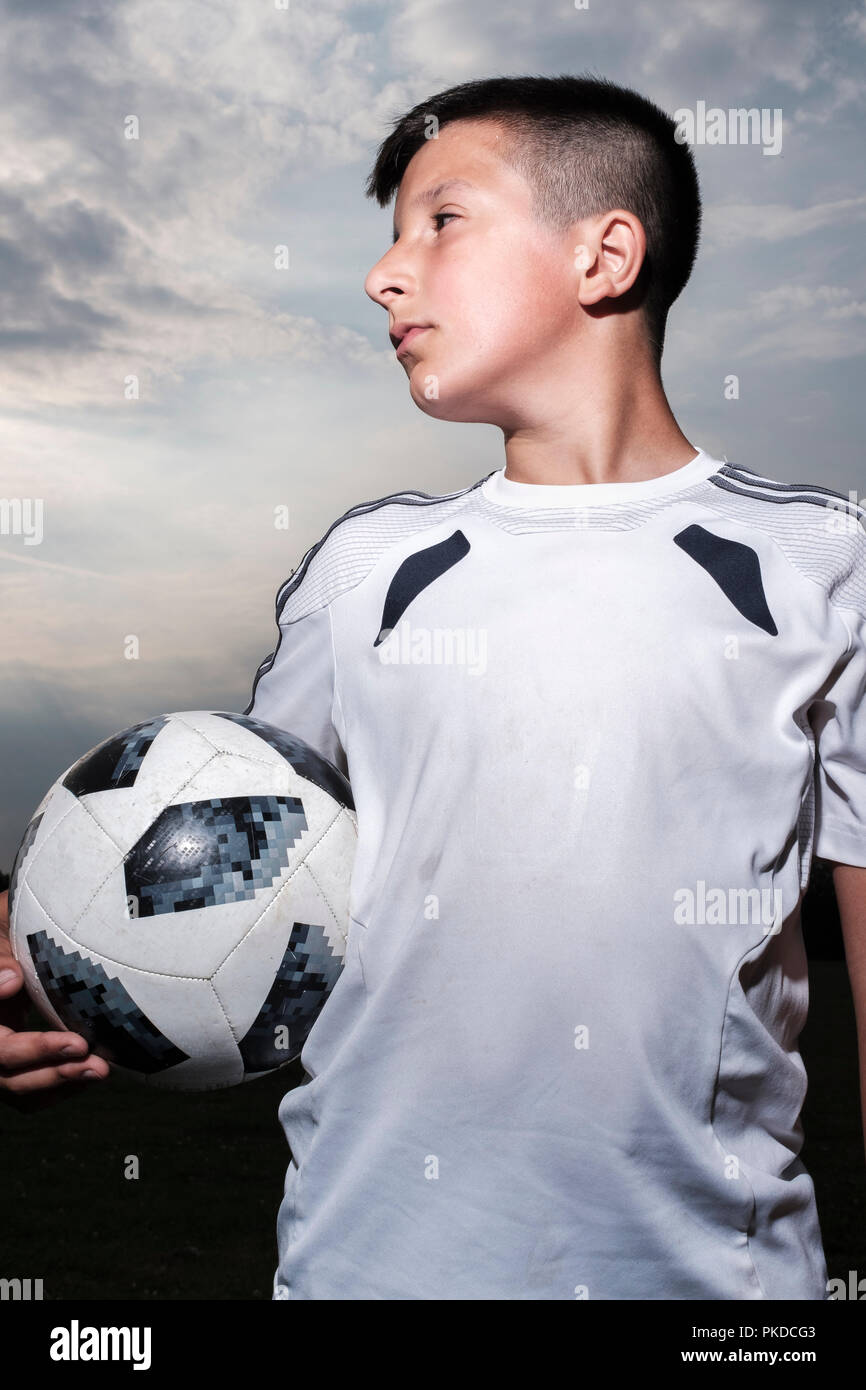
[(734, 224), (114, 251), (777, 329), (855, 22)]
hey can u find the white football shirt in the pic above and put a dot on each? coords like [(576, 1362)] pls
[(595, 734)]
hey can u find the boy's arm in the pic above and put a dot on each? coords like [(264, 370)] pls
[(294, 688), (849, 881)]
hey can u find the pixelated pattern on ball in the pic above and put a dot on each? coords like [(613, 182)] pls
[(204, 853), (308, 971), (98, 1007), (304, 759), (114, 763), (23, 849)]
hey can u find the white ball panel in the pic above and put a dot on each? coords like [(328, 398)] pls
[(186, 1011), (57, 803), (176, 754), (191, 943), (229, 774), (230, 737), (70, 863)]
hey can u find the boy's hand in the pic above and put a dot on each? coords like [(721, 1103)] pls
[(34, 1070)]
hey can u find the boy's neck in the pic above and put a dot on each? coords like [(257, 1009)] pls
[(614, 428)]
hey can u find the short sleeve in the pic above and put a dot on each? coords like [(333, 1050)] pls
[(839, 722), (294, 686)]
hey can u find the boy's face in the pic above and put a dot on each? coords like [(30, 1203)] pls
[(497, 288)]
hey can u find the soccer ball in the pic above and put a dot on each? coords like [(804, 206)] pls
[(181, 897)]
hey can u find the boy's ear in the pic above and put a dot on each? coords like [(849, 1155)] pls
[(610, 257)]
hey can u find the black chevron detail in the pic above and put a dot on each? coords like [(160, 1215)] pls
[(409, 497), (735, 568), (414, 574)]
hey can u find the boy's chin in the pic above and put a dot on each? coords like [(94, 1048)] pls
[(429, 395)]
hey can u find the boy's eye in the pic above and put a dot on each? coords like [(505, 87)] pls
[(438, 215)]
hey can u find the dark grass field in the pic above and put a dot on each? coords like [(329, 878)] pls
[(199, 1222)]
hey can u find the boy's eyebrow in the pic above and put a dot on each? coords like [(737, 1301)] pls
[(431, 194)]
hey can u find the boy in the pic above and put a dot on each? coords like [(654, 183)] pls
[(582, 704)]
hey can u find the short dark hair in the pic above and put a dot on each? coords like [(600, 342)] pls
[(585, 145)]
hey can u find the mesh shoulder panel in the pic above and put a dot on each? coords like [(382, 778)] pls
[(821, 532), (352, 544)]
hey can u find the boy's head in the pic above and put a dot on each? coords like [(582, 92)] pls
[(579, 231)]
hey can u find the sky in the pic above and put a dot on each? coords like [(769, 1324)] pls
[(262, 387)]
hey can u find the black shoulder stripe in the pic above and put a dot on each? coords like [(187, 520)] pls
[(740, 467), (818, 496), (757, 481)]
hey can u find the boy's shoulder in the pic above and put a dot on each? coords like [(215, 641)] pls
[(354, 542), (821, 531), (750, 482)]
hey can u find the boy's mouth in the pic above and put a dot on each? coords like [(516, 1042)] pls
[(406, 333)]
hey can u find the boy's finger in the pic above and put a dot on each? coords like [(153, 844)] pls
[(25, 1079), (30, 1049), (11, 977)]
